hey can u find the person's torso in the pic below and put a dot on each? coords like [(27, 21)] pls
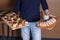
[(30, 10)]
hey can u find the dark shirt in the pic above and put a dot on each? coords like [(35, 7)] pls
[(30, 9)]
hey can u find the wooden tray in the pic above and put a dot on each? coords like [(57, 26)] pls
[(13, 28), (10, 24), (48, 25)]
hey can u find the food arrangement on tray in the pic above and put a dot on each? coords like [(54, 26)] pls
[(14, 21), (47, 22)]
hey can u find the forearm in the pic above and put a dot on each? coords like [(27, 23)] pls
[(17, 7), (44, 4)]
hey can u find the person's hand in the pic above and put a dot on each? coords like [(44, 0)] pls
[(47, 12)]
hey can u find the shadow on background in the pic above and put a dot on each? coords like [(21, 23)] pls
[(19, 38)]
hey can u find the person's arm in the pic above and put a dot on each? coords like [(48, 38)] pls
[(17, 7), (47, 12), (45, 6)]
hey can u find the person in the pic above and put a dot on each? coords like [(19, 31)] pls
[(30, 11)]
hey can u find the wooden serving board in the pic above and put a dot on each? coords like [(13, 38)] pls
[(13, 20), (13, 28)]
